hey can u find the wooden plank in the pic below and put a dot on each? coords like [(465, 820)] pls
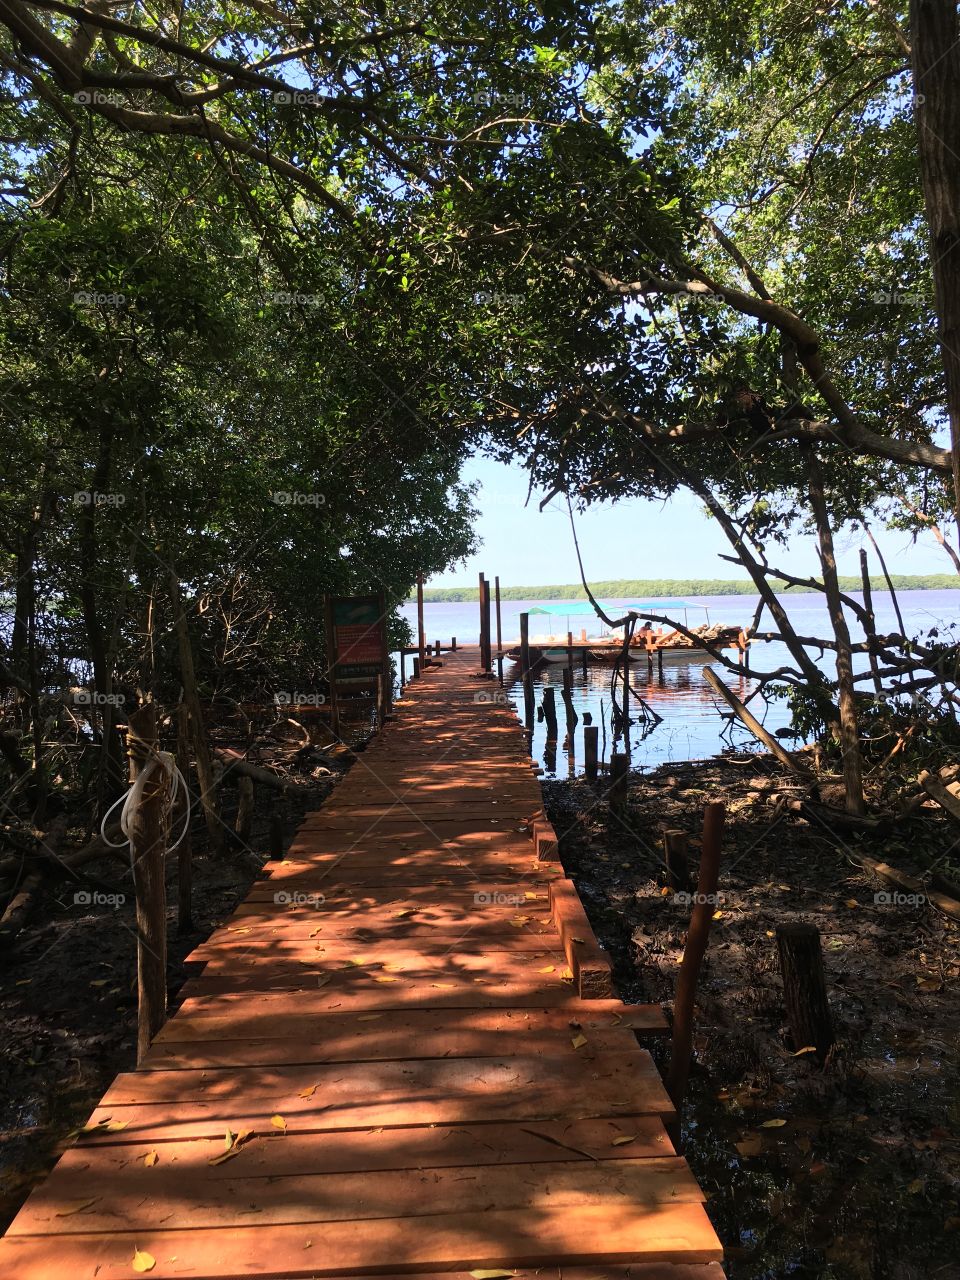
[(589, 962), (458, 1242), (188, 1104), (150, 1198), (283, 1018), (405, 1147)]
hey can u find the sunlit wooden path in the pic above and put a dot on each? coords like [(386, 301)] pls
[(388, 1064)]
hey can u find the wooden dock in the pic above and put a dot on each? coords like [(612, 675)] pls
[(402, 1056)]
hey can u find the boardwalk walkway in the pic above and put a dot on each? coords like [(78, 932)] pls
[(386, 1065)]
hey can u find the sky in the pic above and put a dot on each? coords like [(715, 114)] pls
[(636, 539)]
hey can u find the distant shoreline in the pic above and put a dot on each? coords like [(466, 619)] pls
[(654, 589)]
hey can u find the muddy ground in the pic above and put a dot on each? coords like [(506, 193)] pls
[(849, 1171), (68, 1002)]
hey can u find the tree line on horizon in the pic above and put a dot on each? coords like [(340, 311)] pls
[(642, 589)]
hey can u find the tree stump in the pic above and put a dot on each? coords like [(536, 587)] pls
[(805, 987)]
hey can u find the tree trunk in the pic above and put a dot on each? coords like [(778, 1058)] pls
[(148, 845), (849, 732), (935, 41), (208, 795)]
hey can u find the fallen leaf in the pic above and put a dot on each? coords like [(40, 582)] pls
[(915, 1187), (551, 968), (807, 1048), (851, 903), (151, 1158), (493, 1274), (278, 1122), (143, 1261), (116, 1125), (369, 1017), (579, 1041), (773, 1124), (309, 1092), (623, 1139)]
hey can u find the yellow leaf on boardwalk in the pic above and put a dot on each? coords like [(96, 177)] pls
[(579, 1041), (143, 1261), (278, 1122)]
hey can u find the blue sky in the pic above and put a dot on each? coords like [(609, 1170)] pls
[(635, 539)]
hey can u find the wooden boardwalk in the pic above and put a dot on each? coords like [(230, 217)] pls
[(402, 1056)]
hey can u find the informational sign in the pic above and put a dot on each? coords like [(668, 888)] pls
[(358, 639)]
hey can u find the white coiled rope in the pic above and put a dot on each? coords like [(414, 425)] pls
[(132, 799)]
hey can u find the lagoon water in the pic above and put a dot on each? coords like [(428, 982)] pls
[(692, 726)]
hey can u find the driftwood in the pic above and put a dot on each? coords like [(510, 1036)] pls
[(234, 762), (944, 796), (910, 884), (753, 724)]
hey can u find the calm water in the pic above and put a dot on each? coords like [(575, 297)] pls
[(691, 726)]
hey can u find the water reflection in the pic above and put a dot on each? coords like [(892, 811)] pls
[(672, 716)]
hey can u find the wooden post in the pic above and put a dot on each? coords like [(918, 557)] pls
[(403, 667), (698, 935), (453, 644), (805, 987), (569, 666), (245, 806), (277, 840), (675, 860), (524, 645), (660, 663), (496, 590), (330, 635), (871, 627), (619, 775), (201, 748), (181, 824), (421, 635), (416, 669), (485, 642), (550, 712), (148, 845), (591, 740), (436, 649)]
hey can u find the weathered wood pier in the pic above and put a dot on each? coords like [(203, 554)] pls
[(403, 1055)]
